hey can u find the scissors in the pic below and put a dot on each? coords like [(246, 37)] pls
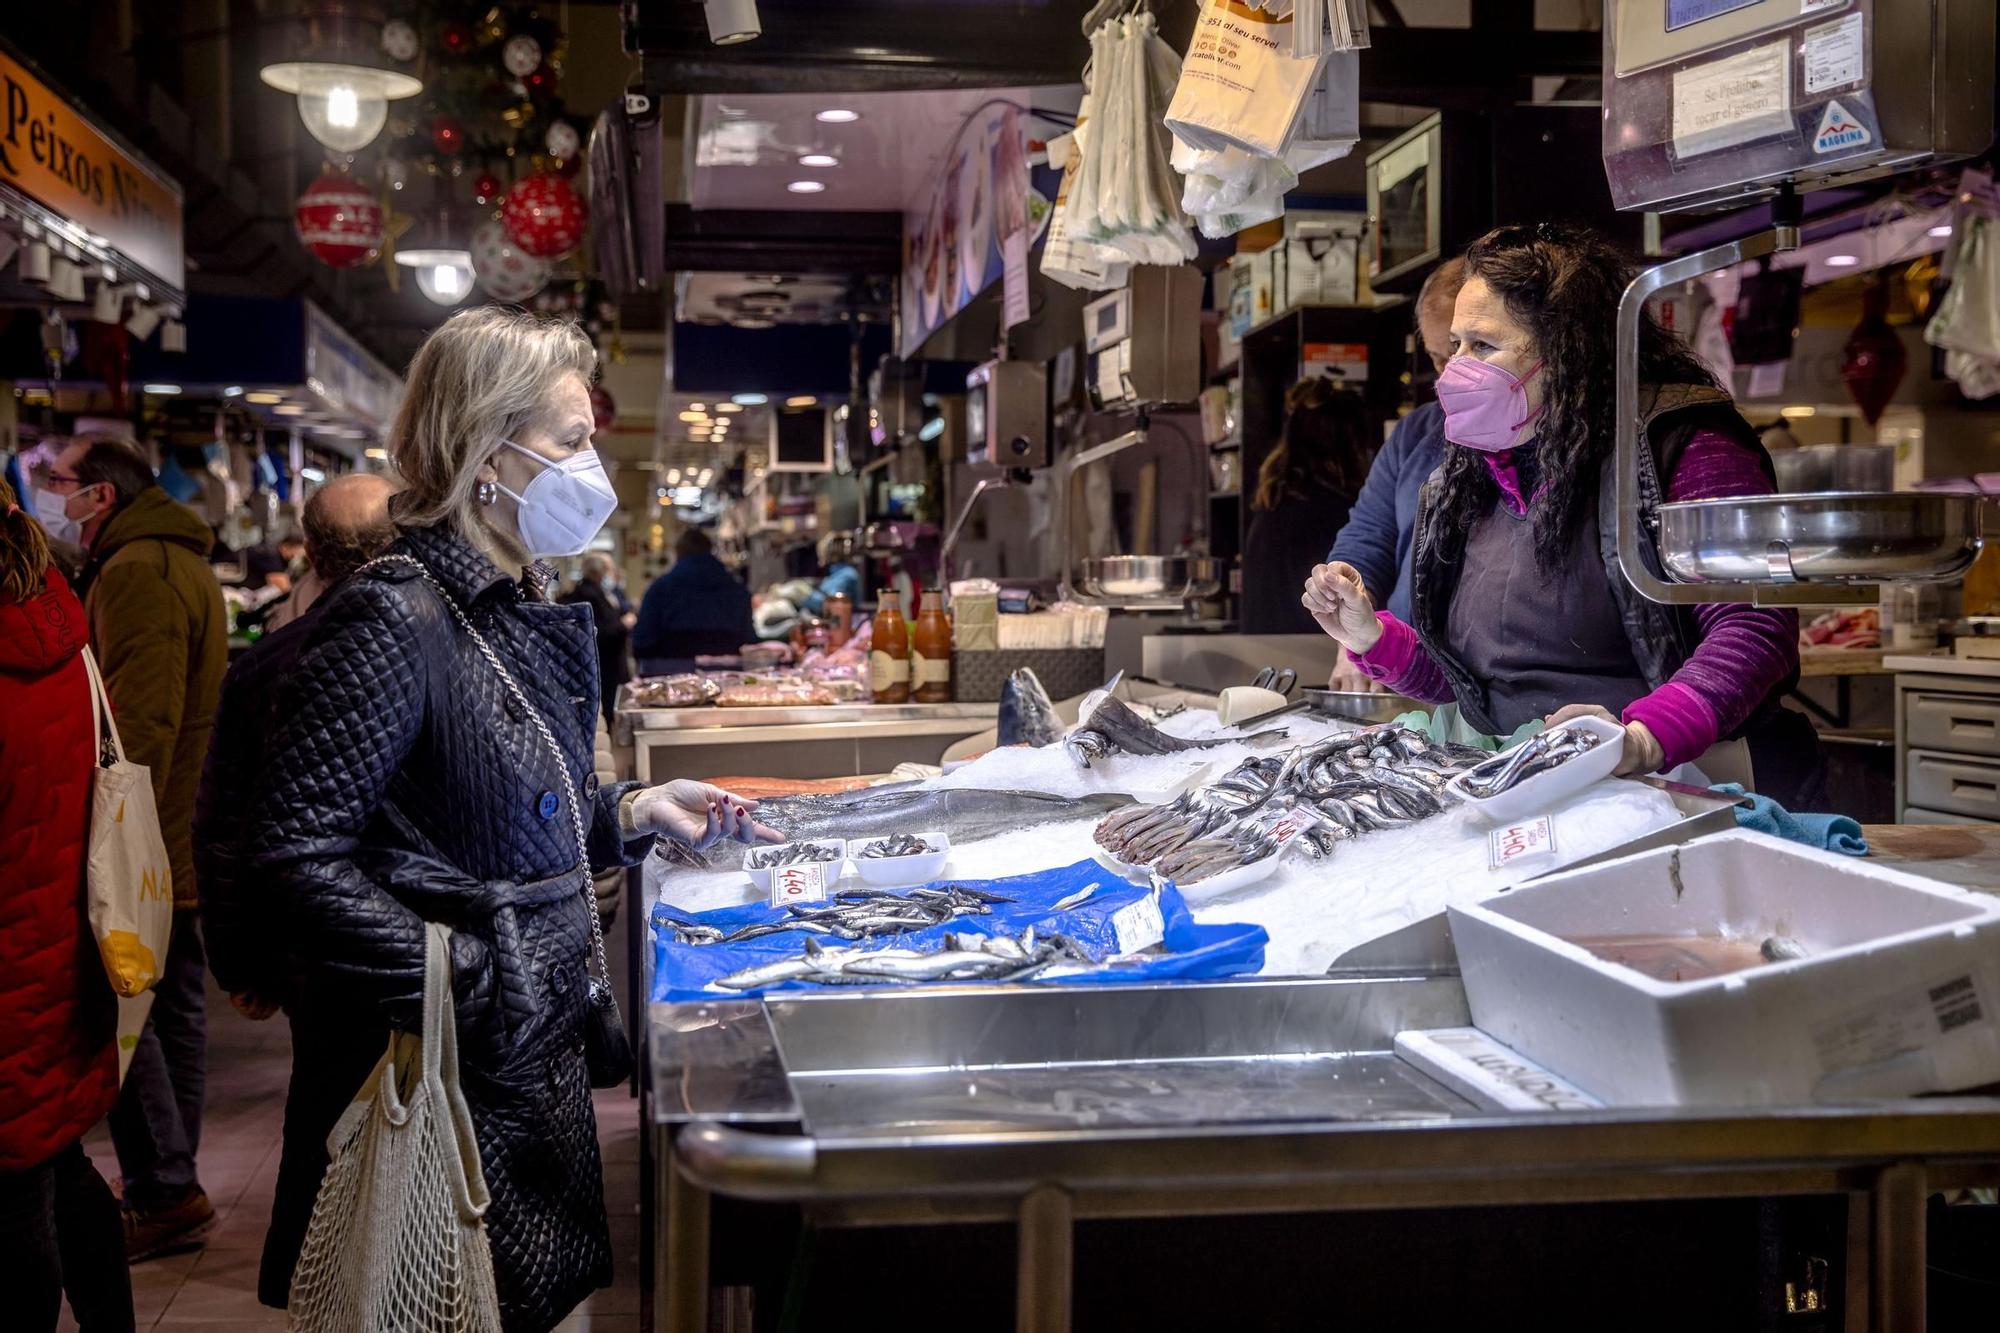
[(1277, 681)]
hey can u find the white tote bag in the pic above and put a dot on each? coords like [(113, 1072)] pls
[(1241, 84), (397, 1241), (129, 882)]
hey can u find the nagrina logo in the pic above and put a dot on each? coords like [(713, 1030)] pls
[(1839, 130)]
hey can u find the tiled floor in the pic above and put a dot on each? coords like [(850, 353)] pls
[(216, 1287)]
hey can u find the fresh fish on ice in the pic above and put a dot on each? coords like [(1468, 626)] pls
[(1027, 717)]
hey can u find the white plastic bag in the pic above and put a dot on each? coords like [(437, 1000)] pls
[(130, 883), (1241, 84), (1968, 318)]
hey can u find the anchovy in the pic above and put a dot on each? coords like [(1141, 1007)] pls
[(897, 844), (1113, 727), (1532, 757), (791, 854)]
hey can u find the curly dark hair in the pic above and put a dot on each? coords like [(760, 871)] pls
[(1562, 283), (1325, 443)]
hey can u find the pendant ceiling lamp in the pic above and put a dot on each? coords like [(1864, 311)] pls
[(335, 69), (443, 265)]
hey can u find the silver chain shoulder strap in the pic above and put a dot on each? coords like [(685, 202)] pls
[(548, 740)]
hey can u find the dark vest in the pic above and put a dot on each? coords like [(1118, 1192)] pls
[(1660, 637)]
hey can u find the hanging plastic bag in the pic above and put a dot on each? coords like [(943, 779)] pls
[(1068, 258), (1968, 318), (1330, 123), (1241, 83)]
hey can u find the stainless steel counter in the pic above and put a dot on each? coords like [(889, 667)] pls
[(1045, 1105), (839, 741)]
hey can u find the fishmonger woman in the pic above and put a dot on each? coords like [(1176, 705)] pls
[(1520, 609)]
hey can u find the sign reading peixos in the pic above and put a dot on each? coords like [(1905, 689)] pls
[(54, 156)]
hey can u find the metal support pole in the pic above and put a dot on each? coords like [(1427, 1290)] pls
[(1045, 1262), (682, 1303), (1896, 1286)]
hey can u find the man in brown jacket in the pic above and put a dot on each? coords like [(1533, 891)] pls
[(161, 635)]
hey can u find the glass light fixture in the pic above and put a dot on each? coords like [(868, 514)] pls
[(444, 275), (342, 90)]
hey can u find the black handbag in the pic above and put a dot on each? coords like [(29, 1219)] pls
[(607, 1051)]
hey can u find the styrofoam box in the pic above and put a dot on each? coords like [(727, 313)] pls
[(1896, 996)]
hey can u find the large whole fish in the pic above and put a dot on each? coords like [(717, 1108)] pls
[(962, 815), (1026, 715), (1113, 727)]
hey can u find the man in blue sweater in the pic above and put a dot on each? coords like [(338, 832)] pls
[(1376, 540), (696, 609)]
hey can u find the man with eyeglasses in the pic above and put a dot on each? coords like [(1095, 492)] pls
[(160, 631)]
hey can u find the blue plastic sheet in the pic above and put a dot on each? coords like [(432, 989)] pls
[(1112, 920)]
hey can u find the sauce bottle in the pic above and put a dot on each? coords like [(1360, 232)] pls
[(889, 654), (930, 666), (839, 619)]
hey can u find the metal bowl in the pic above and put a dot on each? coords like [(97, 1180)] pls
[(1151, 578), (1821, 538), (1369, 706)]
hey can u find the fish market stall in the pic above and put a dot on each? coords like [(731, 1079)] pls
[(802, 741), (1256, 1011)]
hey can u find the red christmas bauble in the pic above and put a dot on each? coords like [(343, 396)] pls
[(447, 135), (339, 221), (544, 216), (603, 409), (485, 188), (456, 37)]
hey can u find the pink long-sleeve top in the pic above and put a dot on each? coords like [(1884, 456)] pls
[(1744, 651)]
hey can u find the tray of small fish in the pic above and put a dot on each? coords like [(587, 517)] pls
[(900, 858), (760, 862), (1543, 771), (1322, 794), (1051, 925), (1113, 727)]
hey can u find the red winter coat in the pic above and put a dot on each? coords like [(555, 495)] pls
[(58, 1057)]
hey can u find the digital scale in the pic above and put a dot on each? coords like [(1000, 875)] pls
[(1710, 104)]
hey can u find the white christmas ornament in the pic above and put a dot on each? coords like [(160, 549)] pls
[(506, 272), (522, 56)]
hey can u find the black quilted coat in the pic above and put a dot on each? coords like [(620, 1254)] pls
[(402, 784)]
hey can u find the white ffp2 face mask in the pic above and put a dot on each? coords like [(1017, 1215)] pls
[(565, 505), (52, 512)]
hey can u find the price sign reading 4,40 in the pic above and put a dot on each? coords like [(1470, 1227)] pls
[(1528, 840), (798, 884)]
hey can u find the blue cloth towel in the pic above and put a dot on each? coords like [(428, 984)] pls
[(1832, 833)]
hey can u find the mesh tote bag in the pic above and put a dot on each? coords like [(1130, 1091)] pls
[(397, 1241), (129, 883)]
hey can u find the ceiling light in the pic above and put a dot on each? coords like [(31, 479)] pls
[(931, 429), (732, 21), (750, 399), (801, 400), (376, 453), (806, 187), (837, 115), (337, 74), (444, 275), (707, 475), (819, 160), (1842, 261), (1941, 230), (729, 407), (312, 474), (697, 407), (263, 398), (1799, 413), (692, 415), (162, 390), (674, 477), (233, 391), (289, 410)]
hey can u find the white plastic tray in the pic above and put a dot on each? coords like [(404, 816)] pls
[(1896, 996), (1544, 791), (761, 875), (888, 871)]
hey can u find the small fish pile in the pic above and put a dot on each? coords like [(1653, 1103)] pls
[(1113, 728), (791, 854), (1027, 717), (855, 914), (960, 957), (1532, 757), (896, 844), (1359, 782)]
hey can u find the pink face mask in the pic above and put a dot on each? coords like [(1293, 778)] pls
[(1484, 406)]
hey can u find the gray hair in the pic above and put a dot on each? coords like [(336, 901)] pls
[(102, 461), (478, 379), (596, 565)]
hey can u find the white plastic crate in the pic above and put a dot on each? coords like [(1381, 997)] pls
[(1896, 995)]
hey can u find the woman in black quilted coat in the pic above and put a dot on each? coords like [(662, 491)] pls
[(404, 784)]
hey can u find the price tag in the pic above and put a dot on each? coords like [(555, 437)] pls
[(1296, 821), (1528, 840), (1014, 279), (1138, 926), (798, 884)]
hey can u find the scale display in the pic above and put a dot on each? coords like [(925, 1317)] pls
[(1685, 13)]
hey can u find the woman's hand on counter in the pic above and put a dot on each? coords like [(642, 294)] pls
[(1340, 603), (1643, 752), (1347, 677), (698, 815)]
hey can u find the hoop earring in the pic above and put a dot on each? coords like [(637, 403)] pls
[(487, 493)]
